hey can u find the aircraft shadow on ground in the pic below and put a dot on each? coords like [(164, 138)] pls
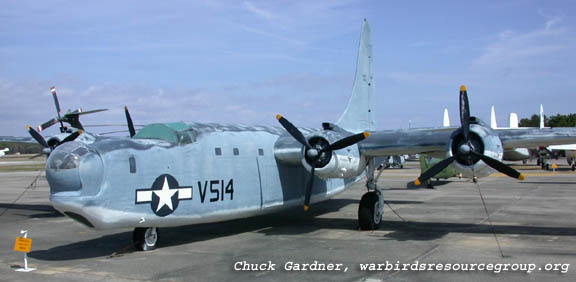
[(120, 243), (425, 231), (549, 182), (292, 222), (47, 211)]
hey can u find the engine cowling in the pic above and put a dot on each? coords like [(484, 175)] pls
[(483, 141), (343, 163)]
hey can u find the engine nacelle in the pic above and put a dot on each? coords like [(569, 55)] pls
[(483, 141), (343, 163)]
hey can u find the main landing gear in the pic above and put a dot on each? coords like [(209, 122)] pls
[(145, 238), (371, 205)]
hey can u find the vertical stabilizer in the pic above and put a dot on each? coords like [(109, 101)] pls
[(493, 123), (513, 120), (359, 114), (446, 121), (541, 116)]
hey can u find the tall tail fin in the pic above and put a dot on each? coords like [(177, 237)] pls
[(541, 116), (446, 121), (513, 120), (493, 123), (359, 114)]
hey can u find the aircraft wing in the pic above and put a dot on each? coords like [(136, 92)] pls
[(534, 137), (406, 141), (414, 141)]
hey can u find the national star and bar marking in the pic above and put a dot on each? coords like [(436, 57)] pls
[(165, 194)]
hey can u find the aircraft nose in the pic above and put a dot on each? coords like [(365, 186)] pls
[(74, 169)]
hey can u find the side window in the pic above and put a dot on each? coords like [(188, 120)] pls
[(236, 151), (261, 152), (218, 151), (132, 162)]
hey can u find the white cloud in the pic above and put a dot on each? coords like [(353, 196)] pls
[(249, 6)]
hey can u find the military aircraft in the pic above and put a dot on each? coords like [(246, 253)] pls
[(67, 134), (173, 174), (3, 152), (513, 154)]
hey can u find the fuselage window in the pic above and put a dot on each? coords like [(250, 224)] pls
[(236, 151), (261, 152), (218, 151)]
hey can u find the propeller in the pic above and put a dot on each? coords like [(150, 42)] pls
[(71, 117), (43, 142), (467, 149), (130, 123), (318, 154), (37, 136)]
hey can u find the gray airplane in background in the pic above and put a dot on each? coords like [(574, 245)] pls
[(173, 174)]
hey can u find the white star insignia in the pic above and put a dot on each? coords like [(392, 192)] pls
[(165, 196)]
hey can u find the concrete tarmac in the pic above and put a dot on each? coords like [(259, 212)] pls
[(533, 221)]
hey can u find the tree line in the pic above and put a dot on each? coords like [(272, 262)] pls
[(558, 120)]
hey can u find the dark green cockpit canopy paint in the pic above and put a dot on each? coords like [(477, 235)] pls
[(175, 132)]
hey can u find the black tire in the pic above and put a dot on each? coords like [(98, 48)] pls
[(368, 218), (145, 238), (430, 185), (573, 167), (547, 166)]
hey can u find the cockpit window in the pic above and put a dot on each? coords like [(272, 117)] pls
[(176, 133)]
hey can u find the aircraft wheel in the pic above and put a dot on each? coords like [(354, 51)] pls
[(369, 211), (430, 185), (547, 166), (573, 167), (145, 238)]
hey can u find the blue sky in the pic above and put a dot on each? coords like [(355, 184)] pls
[(245, 61)]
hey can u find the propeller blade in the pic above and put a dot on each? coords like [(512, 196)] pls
[(464, 113), (347, 141), (499, 166), (309, 191), (37, 136), (53, 90), (72, 136), (293, 131), (434, 170), (80, 112), (47, 124), (130, 123)]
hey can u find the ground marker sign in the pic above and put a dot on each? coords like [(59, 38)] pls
[(24, 244)]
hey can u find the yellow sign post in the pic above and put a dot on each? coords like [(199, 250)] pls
[(554, 167), (24, 244)]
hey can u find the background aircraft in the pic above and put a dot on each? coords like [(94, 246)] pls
[(513, 154), (568, 150), (67, 134), (172, 174), (3, 152)]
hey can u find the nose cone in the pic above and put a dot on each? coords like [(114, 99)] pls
[(74, 169)]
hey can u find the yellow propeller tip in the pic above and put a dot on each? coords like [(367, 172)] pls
[(27, 127), (463, 88), (366, 134), (80, 131), (417, 182), (278, 116), (125, 108), (306, 207), (521, 176)]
